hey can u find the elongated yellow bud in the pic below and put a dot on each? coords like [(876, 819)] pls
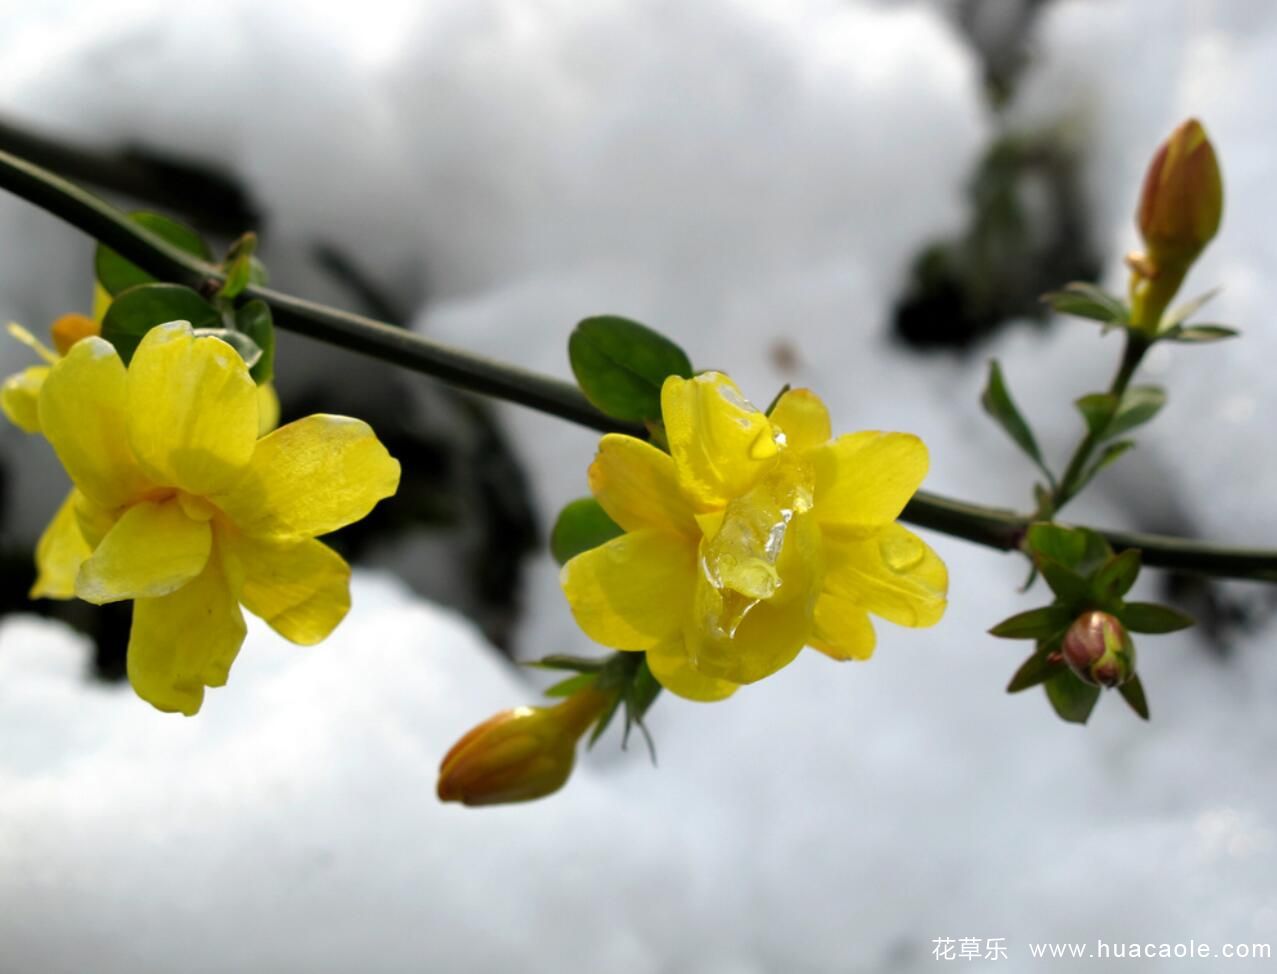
[(1183, 197)]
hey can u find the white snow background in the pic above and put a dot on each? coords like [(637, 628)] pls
[(737, 174)]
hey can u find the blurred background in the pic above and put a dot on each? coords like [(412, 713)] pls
[(866, 198)]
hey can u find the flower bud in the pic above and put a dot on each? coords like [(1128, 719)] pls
[(519, 754), (1098, 650), (1183, 198), (69, 329)]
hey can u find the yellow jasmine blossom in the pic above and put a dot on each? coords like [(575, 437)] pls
[(519, 754), (754, 536), (179, 506)]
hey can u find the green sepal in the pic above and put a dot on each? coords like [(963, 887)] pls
[(117, 274), (1069, 587), (138, 309), (1041, 623), (1132, 692), (570, 664), (254, 320), (1149, 617), (573, 684), (1083, 300), (1072, 699), (1199, 334), (1115, 578), (1176, 317), (997, 402), (1038, 668), (621, 365), (580, 526)]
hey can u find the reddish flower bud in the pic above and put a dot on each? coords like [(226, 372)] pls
[(69, 329), (1183, 198), (1099, 650), (519, 754)]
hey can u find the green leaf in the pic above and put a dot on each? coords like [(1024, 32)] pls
[(1088, 301), (565, 688), (621, 365), (572, 664), (254, 320), (1069, 587), (1153, 618), (1200, 334), (1132, 692), (137, 310), (238, 266), (1139, 405), (1072, 699), (116, 274), (247, 348), (1116, 577), (1107, 456), (1038, 668), (1177, 316), (1097, 410), (997, 402), (581, 525), (1039, 623)]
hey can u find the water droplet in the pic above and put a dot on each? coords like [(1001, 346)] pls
[(902, 553)]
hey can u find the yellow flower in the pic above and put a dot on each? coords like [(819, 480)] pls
[(20, 394), (754, 536), (179, 506), (519, 754)]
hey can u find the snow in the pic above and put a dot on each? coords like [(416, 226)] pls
[(739, 175)]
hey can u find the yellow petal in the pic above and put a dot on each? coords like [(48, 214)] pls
[(635, 483), (673, 670), (20, 397), (192, 410), (311, 477), (842, 629), (719, 441), (803, 418), (185, 641), (152, 550), (893, 574), (59, 553), (865, 479), (83, 415), (633, 592), (301, 589), (267, 408)]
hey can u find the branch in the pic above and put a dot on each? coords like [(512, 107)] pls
[(991, 527)]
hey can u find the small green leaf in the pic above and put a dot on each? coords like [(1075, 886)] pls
[(1069, 587), (116, 274), (1177, 316), (1097, 410), (1132, 692), (621, 366), (1139, 405), (571, 664), (254, 320), (565, 688), (238, 266), (137, 310), (1153, 618), (1072, 699), (1200, 334), (1036, 669), (997, 402), (581, 525), (1088, 301), (1107, 456), (1116, 577), (247, 348), (1039, 623)]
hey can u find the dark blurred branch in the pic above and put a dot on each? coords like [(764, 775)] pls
[(204, 196), (987, 526)]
